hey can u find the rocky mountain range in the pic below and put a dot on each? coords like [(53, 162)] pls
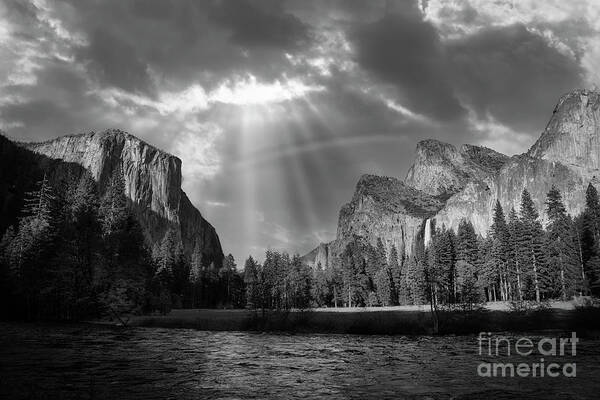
[(447, 184), (152, 182)]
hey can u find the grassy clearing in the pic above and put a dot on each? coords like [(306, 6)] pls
[(584, 320)]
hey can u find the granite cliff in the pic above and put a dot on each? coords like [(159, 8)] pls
[(448, 184), (152, 183)]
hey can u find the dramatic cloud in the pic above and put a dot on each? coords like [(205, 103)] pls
[(115, 62), (276, 108), (511, 74), (406, 51)]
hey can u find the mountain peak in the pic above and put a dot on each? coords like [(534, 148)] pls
[(572, 136), (433, 148), (111, 134), (577, 96), (440, 169), (152, 180), (484, 156), (393, 195)]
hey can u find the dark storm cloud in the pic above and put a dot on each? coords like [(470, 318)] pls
[(187, 40), (508, 73), (261, 24), (406, 51), (115, 62), (58, 104), (21, 11), (512, 74), (249, 23)]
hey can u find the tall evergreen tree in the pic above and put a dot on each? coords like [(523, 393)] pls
[(515, 268), (300, 283), (125, 272), (113, 205), (227, 276), (531, 242), (488, 272), (563, 271), (33, 243), (195, 276), (500, 251), (589, 227), (383, 285), (467, 265), (251, 280), (592, 210), (395, 270), (357, 284), (321, 291)]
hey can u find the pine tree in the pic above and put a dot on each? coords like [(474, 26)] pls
[(77, 250), (515, 268), (441, 266), (589, 239), (500, 251), (563, 274), (357, 283), (383, 287), (38, 204), (467, 265), (196, 265), (272, 281), (300, 283), (396, 276), (8, 280), (414, 284), (251, 280), (125, 271), (321, 292), (113, 206), (195, 276), (33, 243), (226, 276), (593, 210), (531, 241)]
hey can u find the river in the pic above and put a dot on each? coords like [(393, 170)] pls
[(86, 361)]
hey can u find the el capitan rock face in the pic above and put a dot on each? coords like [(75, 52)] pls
[(465, 183), (152, 183)]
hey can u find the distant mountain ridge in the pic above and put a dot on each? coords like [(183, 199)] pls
[(465, 183), (152, 183)]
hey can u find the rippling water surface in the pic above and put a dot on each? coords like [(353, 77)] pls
[(96, 362)]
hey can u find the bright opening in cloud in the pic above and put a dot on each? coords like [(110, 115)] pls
[(248, 91), (196, 147)]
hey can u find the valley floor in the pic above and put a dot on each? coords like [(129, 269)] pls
[(498, 316)]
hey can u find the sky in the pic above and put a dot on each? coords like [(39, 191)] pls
[(276, 108)]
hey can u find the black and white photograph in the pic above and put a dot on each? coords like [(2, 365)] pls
[(300, 199)]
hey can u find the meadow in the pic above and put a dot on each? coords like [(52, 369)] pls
[(407, 320)]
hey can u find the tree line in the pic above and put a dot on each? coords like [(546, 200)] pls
[(518, 260), (77, 253)]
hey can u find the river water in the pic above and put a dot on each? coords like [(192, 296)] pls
[(84, 361)]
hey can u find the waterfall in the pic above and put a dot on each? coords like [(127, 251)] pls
[(427, 236)]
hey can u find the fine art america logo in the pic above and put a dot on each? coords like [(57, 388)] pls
[(499, 347)]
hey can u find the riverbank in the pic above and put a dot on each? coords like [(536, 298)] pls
[(414, 320)]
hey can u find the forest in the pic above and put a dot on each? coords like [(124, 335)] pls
[(518, 260), (75, 254)]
